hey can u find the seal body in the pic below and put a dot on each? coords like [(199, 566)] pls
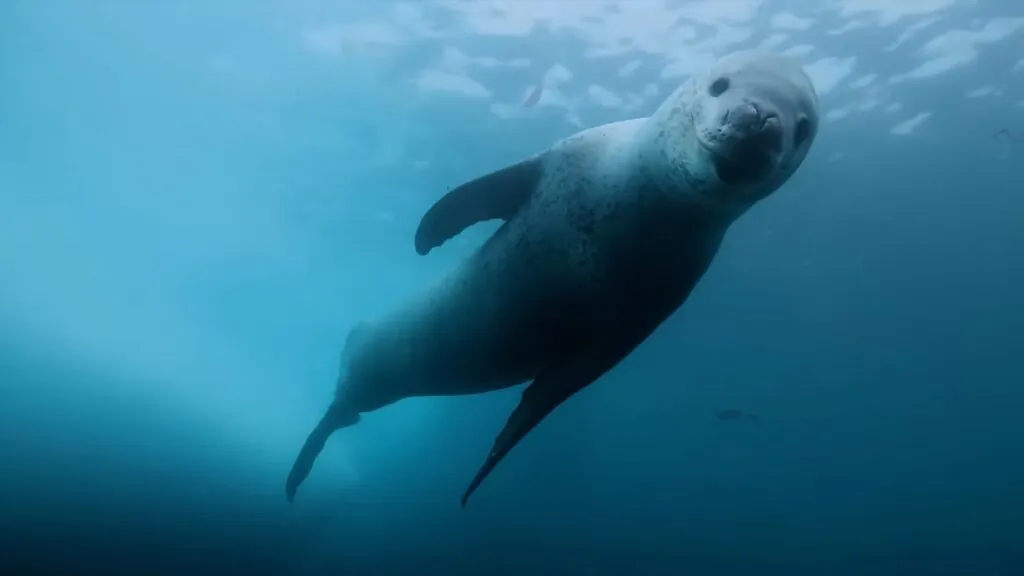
[(605, 235), (500, 316)]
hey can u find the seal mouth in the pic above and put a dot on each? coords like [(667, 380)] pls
[(746, 157), (745, 163)]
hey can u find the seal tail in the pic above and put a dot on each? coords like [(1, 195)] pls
[(338, 416)]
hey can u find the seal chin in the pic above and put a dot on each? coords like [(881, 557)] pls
[(745, 158), (743, 164)]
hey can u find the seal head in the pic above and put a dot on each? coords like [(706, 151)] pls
[(755, 115)]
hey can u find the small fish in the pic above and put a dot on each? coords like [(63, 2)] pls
[(1009, 135), (534, 96), (734, 414)]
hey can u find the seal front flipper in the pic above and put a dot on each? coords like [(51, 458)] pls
[(548, 391), (336, 417), (497, 195)]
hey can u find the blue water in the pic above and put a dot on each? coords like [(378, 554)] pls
[(199, 200)]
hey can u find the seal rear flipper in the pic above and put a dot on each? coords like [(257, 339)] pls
[(336, 417), (548, 391), (497, 195)]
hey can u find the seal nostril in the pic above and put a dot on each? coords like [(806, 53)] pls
[(742, 117)]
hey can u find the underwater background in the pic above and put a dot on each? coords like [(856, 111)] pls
[(199, 199)]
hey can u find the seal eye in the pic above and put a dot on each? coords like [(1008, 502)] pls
[(803, 132), (718, 87)]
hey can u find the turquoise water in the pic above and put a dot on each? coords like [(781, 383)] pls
[(197, 202)]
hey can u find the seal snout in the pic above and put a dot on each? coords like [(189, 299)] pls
[(750, 143), (752, 124)]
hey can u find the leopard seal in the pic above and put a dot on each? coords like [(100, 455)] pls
[(605, 234)]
